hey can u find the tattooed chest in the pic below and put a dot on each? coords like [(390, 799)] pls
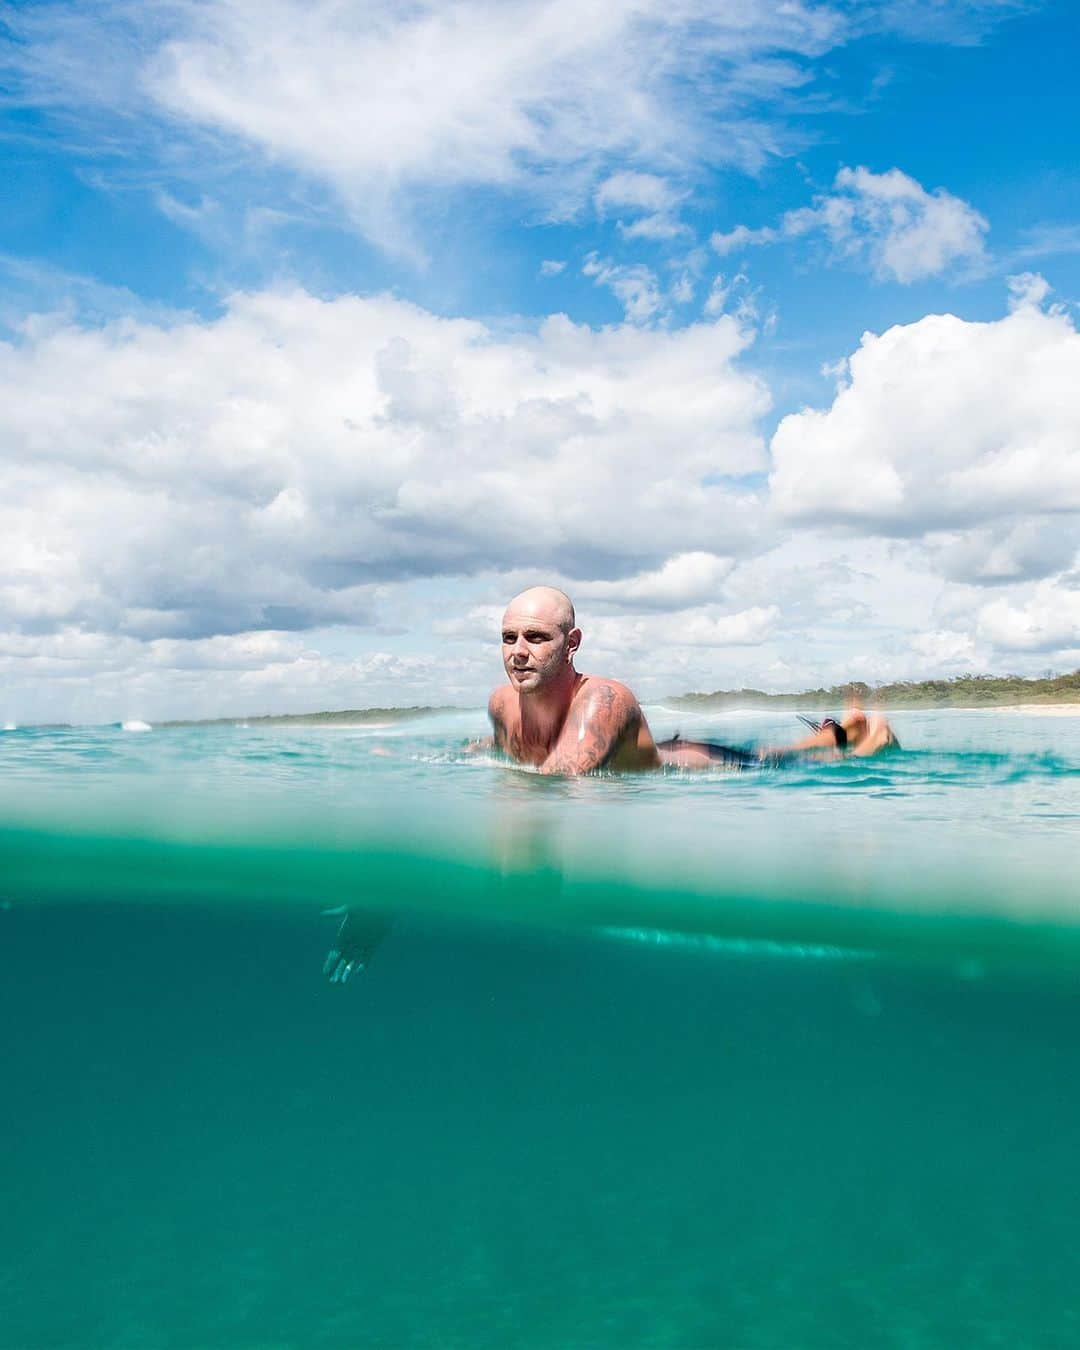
[(524, 749)]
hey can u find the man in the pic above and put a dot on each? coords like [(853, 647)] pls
[(566, 723), (549, 715)]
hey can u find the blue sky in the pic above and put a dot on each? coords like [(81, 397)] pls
[(329, 324)]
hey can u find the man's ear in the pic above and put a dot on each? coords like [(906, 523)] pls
[(573, 642)]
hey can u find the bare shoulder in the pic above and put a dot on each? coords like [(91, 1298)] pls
[(603, 728), (601, 695), (609, 690), (623, 693), (497, 703)]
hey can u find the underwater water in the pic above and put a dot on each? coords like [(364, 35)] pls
[(786, 1058)]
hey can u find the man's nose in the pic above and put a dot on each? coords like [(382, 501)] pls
[(520, 648)]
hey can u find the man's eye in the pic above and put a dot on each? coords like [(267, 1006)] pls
[(509, 637), (535, 637)]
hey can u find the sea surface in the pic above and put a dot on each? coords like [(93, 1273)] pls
[(787, 1058)]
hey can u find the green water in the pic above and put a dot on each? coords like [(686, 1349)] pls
[(777, 1059)]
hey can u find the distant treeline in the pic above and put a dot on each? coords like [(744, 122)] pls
[(963, 691), (346, 717)]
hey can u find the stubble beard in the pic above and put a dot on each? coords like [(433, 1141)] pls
[(537, 681)]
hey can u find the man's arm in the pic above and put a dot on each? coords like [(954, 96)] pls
[(498, 721), (496, 740), (595, 729)]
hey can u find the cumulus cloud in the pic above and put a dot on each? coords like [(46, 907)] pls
[(269, 469), (702, 627), (1009, 551), (886, 221), (945, 424), (944, 477), (684, 580), (1047, 620), (946, 650)]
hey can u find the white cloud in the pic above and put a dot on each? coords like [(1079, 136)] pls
[(1046, 620), (653, 227), (935, 503), (961, 22), (747, 627), (644, 300), (271, 468), (742, 236), (1009, 551), (1027, 288), (700, 627), (552, 267), (651, 198), (684, 580), (378, 99), (887, 221), (944, 424), (645, 192), (947, 650), (479, 623), (635, 286), (732, 295), (1046, 240)]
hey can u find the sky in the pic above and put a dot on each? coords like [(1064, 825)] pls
[(328, 325)]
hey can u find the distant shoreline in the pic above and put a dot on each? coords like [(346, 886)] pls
[(964, 693), (346, 717)]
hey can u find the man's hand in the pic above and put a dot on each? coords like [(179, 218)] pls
[(475, 747), (360, 933)]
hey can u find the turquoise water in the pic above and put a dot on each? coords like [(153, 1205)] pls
[(786, 1058)]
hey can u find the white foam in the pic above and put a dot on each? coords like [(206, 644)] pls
[(10, 726), (135, 726), (752, 947)]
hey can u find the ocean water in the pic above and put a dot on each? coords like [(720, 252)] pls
[(787, 1058)]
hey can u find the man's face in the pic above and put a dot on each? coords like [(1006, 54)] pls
[(535, 649)]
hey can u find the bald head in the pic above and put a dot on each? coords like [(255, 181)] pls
[(546, 604), (539, 639)]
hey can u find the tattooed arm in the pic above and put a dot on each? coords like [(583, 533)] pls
[(498, 721), (604, 717)]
